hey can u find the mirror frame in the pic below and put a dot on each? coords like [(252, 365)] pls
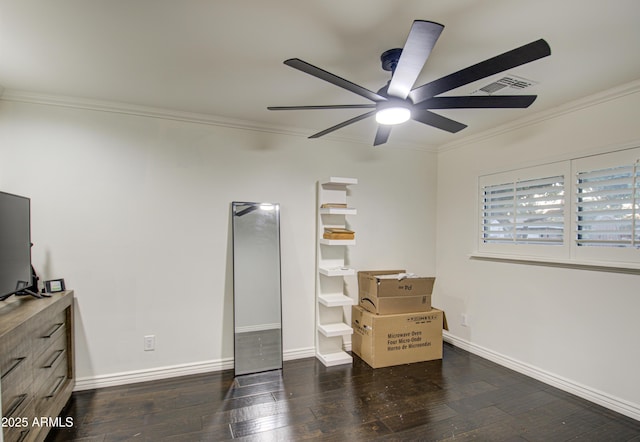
[(247, 207)]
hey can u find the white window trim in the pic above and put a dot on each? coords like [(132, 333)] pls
[(605, 266), (568, 255)]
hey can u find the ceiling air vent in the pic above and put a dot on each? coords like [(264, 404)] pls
[(509, 81)]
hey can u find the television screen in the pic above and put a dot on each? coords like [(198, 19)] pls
[(15, 244)]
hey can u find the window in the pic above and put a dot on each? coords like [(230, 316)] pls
[(608, 203), (606, 225), (524, 212), (585, 210)]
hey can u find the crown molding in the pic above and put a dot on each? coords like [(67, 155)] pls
[(12, 95), (572, 106), (136, 110), (212, 120)]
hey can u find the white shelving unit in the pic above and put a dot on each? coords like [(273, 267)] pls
[(331, 301)]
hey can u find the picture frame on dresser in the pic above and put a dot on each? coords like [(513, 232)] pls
[(54, 286)]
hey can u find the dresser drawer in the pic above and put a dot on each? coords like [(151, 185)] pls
[(50, 390), (15, 385), (50, 374), (50, 327), (19, 425), (18, 434), (16, 374), (14, 346)]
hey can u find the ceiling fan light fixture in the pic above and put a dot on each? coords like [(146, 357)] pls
[(392, 113)]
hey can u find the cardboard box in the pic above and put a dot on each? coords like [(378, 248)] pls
[(383, 296), (338, 233), (395, 304), (383, 341)]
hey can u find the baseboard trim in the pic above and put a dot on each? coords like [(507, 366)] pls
[(301, 353), (598, 397), (155, 374)]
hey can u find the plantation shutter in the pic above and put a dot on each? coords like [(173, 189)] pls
[(608, 207), (524, 212)]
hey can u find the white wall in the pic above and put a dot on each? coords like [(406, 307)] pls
[(133, 212), (578, 326)]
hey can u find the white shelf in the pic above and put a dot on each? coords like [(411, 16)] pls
[(338, 358), (336, 180), (338, 242), (338, 211), (337, 271), (335, 300), (335, 329)]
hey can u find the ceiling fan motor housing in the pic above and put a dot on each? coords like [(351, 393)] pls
[(390, 59)]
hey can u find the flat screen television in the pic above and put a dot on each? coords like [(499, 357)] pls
[(15, 244)]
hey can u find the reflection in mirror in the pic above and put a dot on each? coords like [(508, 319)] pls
[(256, 287)]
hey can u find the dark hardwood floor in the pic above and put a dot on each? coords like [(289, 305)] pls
[(461, 397)]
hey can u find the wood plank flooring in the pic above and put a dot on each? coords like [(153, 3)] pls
[(461, 397)]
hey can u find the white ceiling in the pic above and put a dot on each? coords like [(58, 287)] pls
[(223, 58)]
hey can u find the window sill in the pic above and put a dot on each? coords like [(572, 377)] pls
[(600, 266)]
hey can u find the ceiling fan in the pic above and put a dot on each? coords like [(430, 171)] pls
[(398, 101)]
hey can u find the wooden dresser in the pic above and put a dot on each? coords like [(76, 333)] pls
[(36, 363)]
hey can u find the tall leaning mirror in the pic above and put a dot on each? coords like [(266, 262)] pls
[(256, 287)]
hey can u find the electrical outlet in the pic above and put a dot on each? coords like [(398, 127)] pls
[(149, 342), (464, 320)]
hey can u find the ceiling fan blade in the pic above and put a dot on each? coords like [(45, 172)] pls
[(438, 121), (329, 106), (484, 102), (382, 134), (343, 124), (421, 40), (516, 57), (333, 79)]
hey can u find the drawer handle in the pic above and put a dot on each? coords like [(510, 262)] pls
[(16, 405), (61, 380), (55, 358), (23, 435), (53, 331), (17, 362)]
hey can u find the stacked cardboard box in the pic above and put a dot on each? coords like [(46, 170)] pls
[(394, 322), (383, 293)]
